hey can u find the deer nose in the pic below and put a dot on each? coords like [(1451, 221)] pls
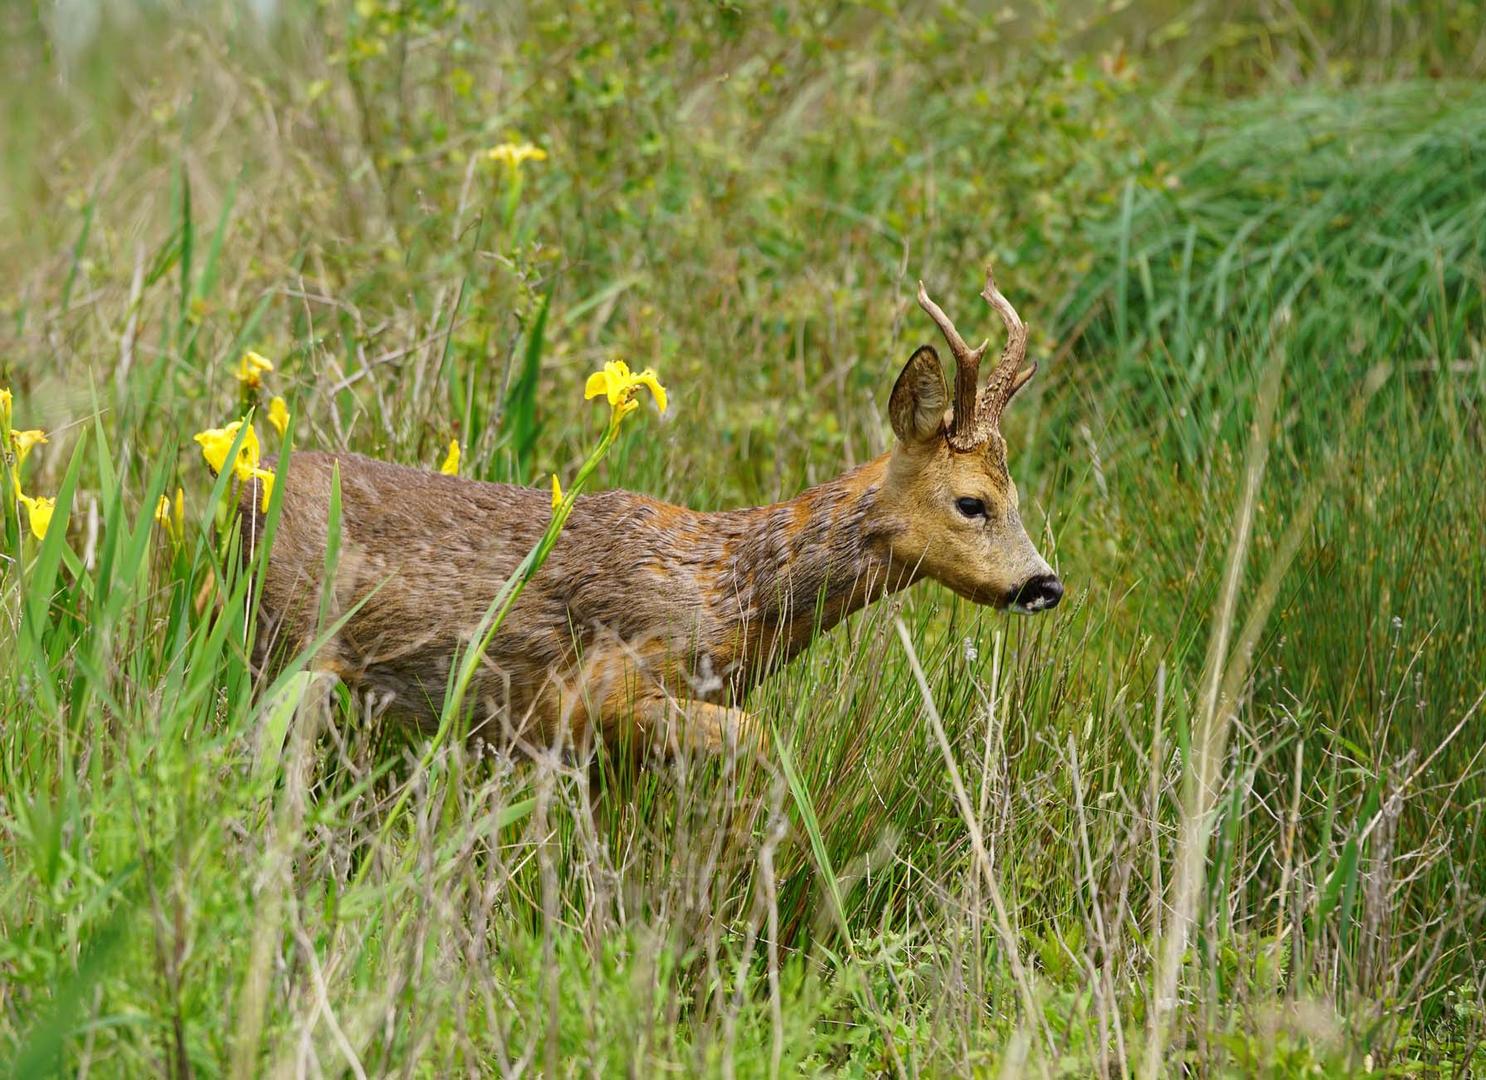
[(1038, 594)]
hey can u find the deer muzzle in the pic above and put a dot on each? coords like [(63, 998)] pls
[(1038, 593)]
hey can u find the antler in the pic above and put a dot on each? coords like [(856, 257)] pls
[(967, 373), (977, 416), (1008, 376)]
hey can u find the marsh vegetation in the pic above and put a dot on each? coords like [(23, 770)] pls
[(1225, 801)]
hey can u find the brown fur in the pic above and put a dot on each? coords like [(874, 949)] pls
[(645, 614)]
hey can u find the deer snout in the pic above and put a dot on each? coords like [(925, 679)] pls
[(1037, 594)]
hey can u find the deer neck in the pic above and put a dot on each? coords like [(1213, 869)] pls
[(795, 568)]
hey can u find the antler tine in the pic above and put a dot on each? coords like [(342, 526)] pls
[(1008, 376), (962, 434)]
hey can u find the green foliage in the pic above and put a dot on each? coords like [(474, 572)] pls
[(199, 873)]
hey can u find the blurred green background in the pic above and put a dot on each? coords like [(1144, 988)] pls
[(1177, 197)]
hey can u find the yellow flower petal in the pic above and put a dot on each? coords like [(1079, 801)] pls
[(38, 513), (556, 492), (5, 403), (450, 467), (596, 386), (171, 516), (216, 443), (251, 368), (266, 477), (647, 379), (619, 381), (247, 456), (278, 415), (23, 441)]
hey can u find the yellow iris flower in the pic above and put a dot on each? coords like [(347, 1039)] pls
[(556, 492), (516, 154), (38, 513), (278, 415), (619, 385), (23, 441), (5, 403), (450, 467), (251, 368), (216, 444)]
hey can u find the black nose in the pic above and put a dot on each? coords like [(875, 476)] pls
[(1042, 592)]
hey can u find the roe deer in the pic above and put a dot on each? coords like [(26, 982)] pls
[(650, 620)]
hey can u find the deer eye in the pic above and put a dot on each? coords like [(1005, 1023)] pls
[(970, 507)]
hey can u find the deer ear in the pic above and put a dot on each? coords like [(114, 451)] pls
[(919, 398)]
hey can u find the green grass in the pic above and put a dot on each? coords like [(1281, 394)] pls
[(1281, 290)]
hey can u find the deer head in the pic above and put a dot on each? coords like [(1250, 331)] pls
[(949, 497)]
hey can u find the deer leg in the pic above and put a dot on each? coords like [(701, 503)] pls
[(667, 726)]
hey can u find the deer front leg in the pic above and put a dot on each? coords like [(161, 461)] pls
[(665, 726)]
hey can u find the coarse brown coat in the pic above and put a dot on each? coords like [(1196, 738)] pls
[(648, 620)]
